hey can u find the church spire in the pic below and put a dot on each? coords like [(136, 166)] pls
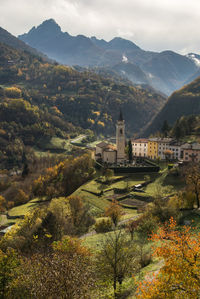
[(120, 115)]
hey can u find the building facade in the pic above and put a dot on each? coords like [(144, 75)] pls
[(106, 152), (191, 152), (152, 151), (140, 147)]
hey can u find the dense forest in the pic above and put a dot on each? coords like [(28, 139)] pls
[(83, 98)]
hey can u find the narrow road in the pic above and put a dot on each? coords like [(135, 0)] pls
[(80, 137)]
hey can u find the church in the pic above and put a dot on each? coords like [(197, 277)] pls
[(108, 153)]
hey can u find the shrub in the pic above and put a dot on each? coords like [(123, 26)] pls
[(146, 226), (103, 226)]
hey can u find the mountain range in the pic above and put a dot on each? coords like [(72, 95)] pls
[(91, 97), (166, 71)]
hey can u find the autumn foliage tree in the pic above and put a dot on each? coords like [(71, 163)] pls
[(64, 178), (114, 211), (180, 276), (66, 272), (80, 216)]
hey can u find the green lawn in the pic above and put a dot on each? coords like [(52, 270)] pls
[(165, 184), (23, 209)]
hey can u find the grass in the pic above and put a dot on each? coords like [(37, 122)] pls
[(58, 143), (23, 209), (166, 184), (101, 202), (95, 242)]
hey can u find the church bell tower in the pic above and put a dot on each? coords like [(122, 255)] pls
[(120, 138)]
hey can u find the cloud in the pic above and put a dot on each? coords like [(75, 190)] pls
[(152, 24)]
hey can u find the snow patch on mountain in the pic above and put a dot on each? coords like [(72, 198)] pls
[(124, 59), (194, 58)]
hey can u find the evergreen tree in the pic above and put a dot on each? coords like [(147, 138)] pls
[(165, 128), (130, 151)]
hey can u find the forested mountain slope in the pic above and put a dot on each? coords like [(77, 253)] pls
[(10, 40), (85, 99), (185, 101)]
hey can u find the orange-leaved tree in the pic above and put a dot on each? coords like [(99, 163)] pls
[(180, 275)]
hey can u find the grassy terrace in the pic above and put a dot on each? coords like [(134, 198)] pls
[(23, 209), (101, 202)]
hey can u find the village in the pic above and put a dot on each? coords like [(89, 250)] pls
[(156, 148)]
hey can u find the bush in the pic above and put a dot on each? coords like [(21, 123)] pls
[(188, 199), (103, 226), (146, 226), (163, 209)]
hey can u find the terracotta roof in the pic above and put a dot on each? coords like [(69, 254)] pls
[(110, 147)]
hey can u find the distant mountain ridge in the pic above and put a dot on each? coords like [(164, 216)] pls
[(165, 71)]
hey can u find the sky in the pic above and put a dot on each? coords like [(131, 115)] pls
[(155, 25)]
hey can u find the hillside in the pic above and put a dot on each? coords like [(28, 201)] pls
[(165, 71), (185, 101), (10, 40), (83, 98)]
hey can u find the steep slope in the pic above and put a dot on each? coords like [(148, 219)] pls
[(10, 40), (169, 70), (185, 101), (132, 72)]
